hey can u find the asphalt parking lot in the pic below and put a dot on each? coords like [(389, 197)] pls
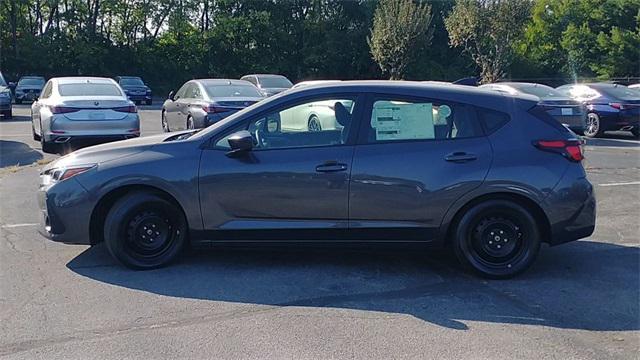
[(579, 300)]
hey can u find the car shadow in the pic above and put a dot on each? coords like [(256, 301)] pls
[(582, 285), (16, 118), (17, 153), (614, 142)]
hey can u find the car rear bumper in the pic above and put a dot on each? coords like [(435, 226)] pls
[(140, 97), (65, 212)]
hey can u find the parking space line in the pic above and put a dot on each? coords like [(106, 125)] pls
[(18, 225), (621, 184)]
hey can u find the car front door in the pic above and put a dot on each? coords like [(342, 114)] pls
[(414, 158), (293, 181)]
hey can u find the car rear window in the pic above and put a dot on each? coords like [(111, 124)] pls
[(89, 89), (541, 114), (620, 92), (232, 91), (492, 120)]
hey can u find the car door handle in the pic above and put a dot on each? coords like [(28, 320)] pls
[(331, 166), (460, 157)]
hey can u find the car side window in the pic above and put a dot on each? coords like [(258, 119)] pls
[(399, 119), (324, 122), (194, 92), (251, 79), (181, 93), (46, 92)]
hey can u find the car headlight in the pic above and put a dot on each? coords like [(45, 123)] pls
[(64, 173), (5, 94)]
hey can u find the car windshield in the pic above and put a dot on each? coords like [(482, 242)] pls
[(31, 82), (89, 89), (131, 82), (231, 91), (275, 82), (619, 92), (541, 91)]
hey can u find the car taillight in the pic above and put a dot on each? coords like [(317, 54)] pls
[(127, 109), (213, 109), (571, 149), (62, 109), (617, 106)]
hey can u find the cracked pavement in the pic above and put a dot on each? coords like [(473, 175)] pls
[(580, 300)]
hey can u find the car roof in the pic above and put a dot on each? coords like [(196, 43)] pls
[(266, 75), (222, 82), (482, 97), (128, 77), (32, 77), (517, 83), (82, 79)]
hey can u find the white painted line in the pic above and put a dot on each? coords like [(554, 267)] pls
[(18, 225), (621, 184)]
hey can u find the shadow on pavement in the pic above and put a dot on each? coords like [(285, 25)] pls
[(583, 285), (16, 118), (614, 142), (17, 153)]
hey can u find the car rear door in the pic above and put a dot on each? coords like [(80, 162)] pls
[(414, 158), (292, 186)]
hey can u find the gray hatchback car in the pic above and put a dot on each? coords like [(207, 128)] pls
[(427, 164)]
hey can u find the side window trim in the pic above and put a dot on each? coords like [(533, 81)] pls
[(359, 98), (363, 135)]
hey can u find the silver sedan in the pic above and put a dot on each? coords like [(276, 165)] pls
[(87, 110)]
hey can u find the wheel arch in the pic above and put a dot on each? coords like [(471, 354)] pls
[(106, 202), (536, 211)]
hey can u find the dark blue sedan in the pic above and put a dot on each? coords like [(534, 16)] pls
[(610, 107)]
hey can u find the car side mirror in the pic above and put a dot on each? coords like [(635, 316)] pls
[(240, 142), (171, 95)]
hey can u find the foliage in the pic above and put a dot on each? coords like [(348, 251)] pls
[(399, 26), (584, 38), (486, 30)]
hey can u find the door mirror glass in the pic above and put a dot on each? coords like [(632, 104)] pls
[(240, 141)]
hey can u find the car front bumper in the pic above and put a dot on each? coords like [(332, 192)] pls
[(5, 103), (65, 211)]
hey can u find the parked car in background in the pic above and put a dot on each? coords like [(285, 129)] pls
[(313, 82), (28, 88), (135, 89), (5, 99), (635, 86), (200, 103), (610, 107), (268, 84), (82, 110), (564, 109), (313, 116), (437, 165)]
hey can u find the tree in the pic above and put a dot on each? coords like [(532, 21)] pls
[(399, 26), (487, 30), (584, 38)]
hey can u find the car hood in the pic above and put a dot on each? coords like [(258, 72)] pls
[(111, 151)]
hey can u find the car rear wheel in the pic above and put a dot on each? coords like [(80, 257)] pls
[(497, 239), (46, 146), (8, 114), (593, 128), (36, 137), (636, 132), (314, 124), (190, 124), (144, 231)]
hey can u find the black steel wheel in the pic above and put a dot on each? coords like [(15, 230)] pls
[(144, 231), (497, 238)]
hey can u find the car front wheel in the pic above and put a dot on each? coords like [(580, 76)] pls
[(497, 238), (144, 231)]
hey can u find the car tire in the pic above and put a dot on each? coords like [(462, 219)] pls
[(314, 124), (46, 146), (36, 137), (497, 239), (144, 231), (593, 127), (636, 132), (8, 114), (190, 125), (165, 124), (149, 102)]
